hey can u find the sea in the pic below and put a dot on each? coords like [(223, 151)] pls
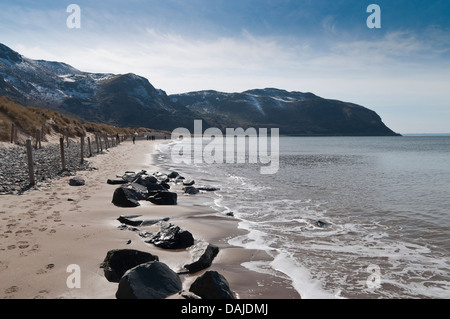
[(343, 217)]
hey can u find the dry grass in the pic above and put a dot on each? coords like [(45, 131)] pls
[(30, 119)]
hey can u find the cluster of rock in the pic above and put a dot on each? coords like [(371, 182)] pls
[(47, 160), (151, 187), (141, 275)]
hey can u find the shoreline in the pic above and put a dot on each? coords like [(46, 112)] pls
[(44, 231)]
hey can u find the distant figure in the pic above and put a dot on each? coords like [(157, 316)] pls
[(134, 139)]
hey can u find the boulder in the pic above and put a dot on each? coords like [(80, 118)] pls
[(212, 285), (144, 180), (204, 255), (173, 175), (129, 176), (190, 190), (155, 187), (124, 197), (163, 198), (116, 181), (152, 280), (140, 191), (189, 182), (172, 237), (129, 195), (165, 185), (76, 181), (119, 261)]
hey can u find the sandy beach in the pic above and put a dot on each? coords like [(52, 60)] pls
[(47, 229)]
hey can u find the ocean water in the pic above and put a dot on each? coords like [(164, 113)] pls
[(344, 217)]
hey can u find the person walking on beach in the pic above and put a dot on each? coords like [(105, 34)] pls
[(134, 139)]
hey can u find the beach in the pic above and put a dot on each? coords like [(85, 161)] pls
[(46, 230)]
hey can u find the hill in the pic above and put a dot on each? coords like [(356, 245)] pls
[(129, 100)]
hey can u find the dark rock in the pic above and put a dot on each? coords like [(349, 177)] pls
[(163, 198), (173, 175), (129, 176), (155, 187), (155, 192), (144, 180), (140, 191), (191, 190), (116, 181), (165, 185), (207, 253), (130, 220), (189, 182), (76, 181), (152, 280), (230, 214), (172, 237), (212, 285), (118, 261), (124, 197), (208, 189), (320, 224)]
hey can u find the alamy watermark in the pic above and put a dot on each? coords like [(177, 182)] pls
[(374, 20), (74, 279), (74, 19), (374, 279), (237, 146)]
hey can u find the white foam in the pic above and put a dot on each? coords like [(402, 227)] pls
[(301, 278)]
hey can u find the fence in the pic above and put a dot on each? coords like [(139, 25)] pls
[(96, 143)]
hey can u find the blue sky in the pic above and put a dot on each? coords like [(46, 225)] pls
[(402, 71)]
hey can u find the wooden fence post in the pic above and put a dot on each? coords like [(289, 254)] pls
[(100, 142), (63, 159), (82, 149), (13, 129), (38, 139), (30, 162), (89, 145), (15, 134)]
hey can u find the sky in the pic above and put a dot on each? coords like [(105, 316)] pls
[(400, 70)]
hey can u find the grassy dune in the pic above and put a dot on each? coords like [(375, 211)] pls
[(30, 119)]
